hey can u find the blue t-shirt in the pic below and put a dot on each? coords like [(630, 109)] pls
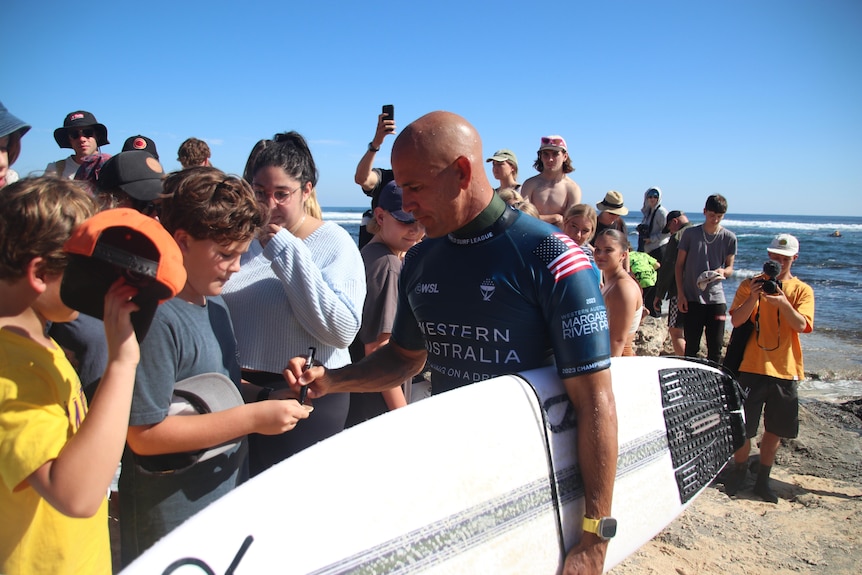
[(506, 293)]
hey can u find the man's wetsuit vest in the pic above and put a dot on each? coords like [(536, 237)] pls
[(505, 293)]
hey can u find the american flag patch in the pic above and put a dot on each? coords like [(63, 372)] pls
[(562, 256)]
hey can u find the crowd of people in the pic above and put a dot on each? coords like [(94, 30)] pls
[(238, 289)]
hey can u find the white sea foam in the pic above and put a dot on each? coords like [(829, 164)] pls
[(790, 225)]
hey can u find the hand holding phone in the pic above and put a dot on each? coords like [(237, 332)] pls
[(389, 112)]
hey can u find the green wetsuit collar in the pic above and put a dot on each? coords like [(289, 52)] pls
[(480, 224)]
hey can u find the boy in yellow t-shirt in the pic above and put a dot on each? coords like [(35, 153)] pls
[(56, 459), (781, 307)]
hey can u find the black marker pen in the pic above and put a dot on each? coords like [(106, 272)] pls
[(309, 363)]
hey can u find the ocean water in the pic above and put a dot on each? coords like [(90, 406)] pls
[(832, 266)]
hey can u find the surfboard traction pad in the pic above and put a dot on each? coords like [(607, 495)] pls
[(704, 422)]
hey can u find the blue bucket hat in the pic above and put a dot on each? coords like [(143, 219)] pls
[(9, 124)]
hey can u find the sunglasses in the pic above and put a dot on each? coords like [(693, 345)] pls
[(552, 141), (87, 132)]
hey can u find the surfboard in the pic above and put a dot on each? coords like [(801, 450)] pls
[(482, 479)]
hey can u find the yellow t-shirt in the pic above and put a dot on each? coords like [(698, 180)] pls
[(785, 361), (41, 407)]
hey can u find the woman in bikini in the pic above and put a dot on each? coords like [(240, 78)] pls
[(622, 293)]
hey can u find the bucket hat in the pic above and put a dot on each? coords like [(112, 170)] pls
[(10, 124), (122, 242), (80, 119)]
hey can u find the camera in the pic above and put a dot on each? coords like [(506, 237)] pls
[(771, 285), (643, 230)]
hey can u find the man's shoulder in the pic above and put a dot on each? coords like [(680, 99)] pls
[(571, 184), (530, 184)]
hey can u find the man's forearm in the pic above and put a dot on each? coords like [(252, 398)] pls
[(389, 366)]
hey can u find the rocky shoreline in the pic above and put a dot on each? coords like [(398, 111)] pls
[(814, 528)]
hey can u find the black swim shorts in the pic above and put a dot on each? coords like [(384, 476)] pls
[(776, 399)]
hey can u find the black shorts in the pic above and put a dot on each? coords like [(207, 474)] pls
[(675, 318), (776, 399)]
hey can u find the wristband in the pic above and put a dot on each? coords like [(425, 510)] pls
[(371, 147)]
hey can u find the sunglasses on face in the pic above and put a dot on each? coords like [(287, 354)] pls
[(87, 132)]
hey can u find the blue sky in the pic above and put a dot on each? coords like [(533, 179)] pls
[(758, 100)]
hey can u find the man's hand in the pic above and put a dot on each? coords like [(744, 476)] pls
[(587, 557), (315, 378)]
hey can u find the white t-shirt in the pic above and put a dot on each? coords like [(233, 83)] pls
[(70, 168)]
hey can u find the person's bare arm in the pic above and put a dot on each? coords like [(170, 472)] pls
[(178, 433), (621, 303), (387, 367), (727, 270), (365, 176), (76, 481), (595, 408), (679, 270), (393, 397)]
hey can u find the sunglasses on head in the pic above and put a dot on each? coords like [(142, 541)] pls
[(552, 141), (87, 132)]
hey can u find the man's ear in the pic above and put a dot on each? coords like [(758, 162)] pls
[(465, 172)]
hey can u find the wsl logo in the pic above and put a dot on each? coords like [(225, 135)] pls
[(426, 288), (487, 288)]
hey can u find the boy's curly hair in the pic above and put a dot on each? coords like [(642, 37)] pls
[(38, 215), (209, 204)]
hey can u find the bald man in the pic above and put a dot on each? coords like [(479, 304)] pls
[(491, 291)]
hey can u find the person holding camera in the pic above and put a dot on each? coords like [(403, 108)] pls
[(781, 307), (651, 236)]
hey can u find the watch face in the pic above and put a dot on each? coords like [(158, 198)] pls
[(607, 527)]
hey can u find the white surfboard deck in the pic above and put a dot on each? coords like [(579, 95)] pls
[(482, 479)]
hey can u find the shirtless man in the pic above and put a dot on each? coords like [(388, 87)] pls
[(552, 191), (471, 235)]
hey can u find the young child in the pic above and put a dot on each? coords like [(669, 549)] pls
[(57, 459), (213, 218), (395, 231)]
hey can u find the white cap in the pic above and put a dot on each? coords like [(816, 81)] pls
[(784, 245)]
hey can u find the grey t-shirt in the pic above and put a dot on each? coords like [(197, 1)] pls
[(705, 252), (184, 340)]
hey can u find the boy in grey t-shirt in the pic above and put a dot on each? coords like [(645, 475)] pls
[(705, 258)]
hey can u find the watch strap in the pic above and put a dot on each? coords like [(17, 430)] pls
[(371, 147), (591, 525)]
